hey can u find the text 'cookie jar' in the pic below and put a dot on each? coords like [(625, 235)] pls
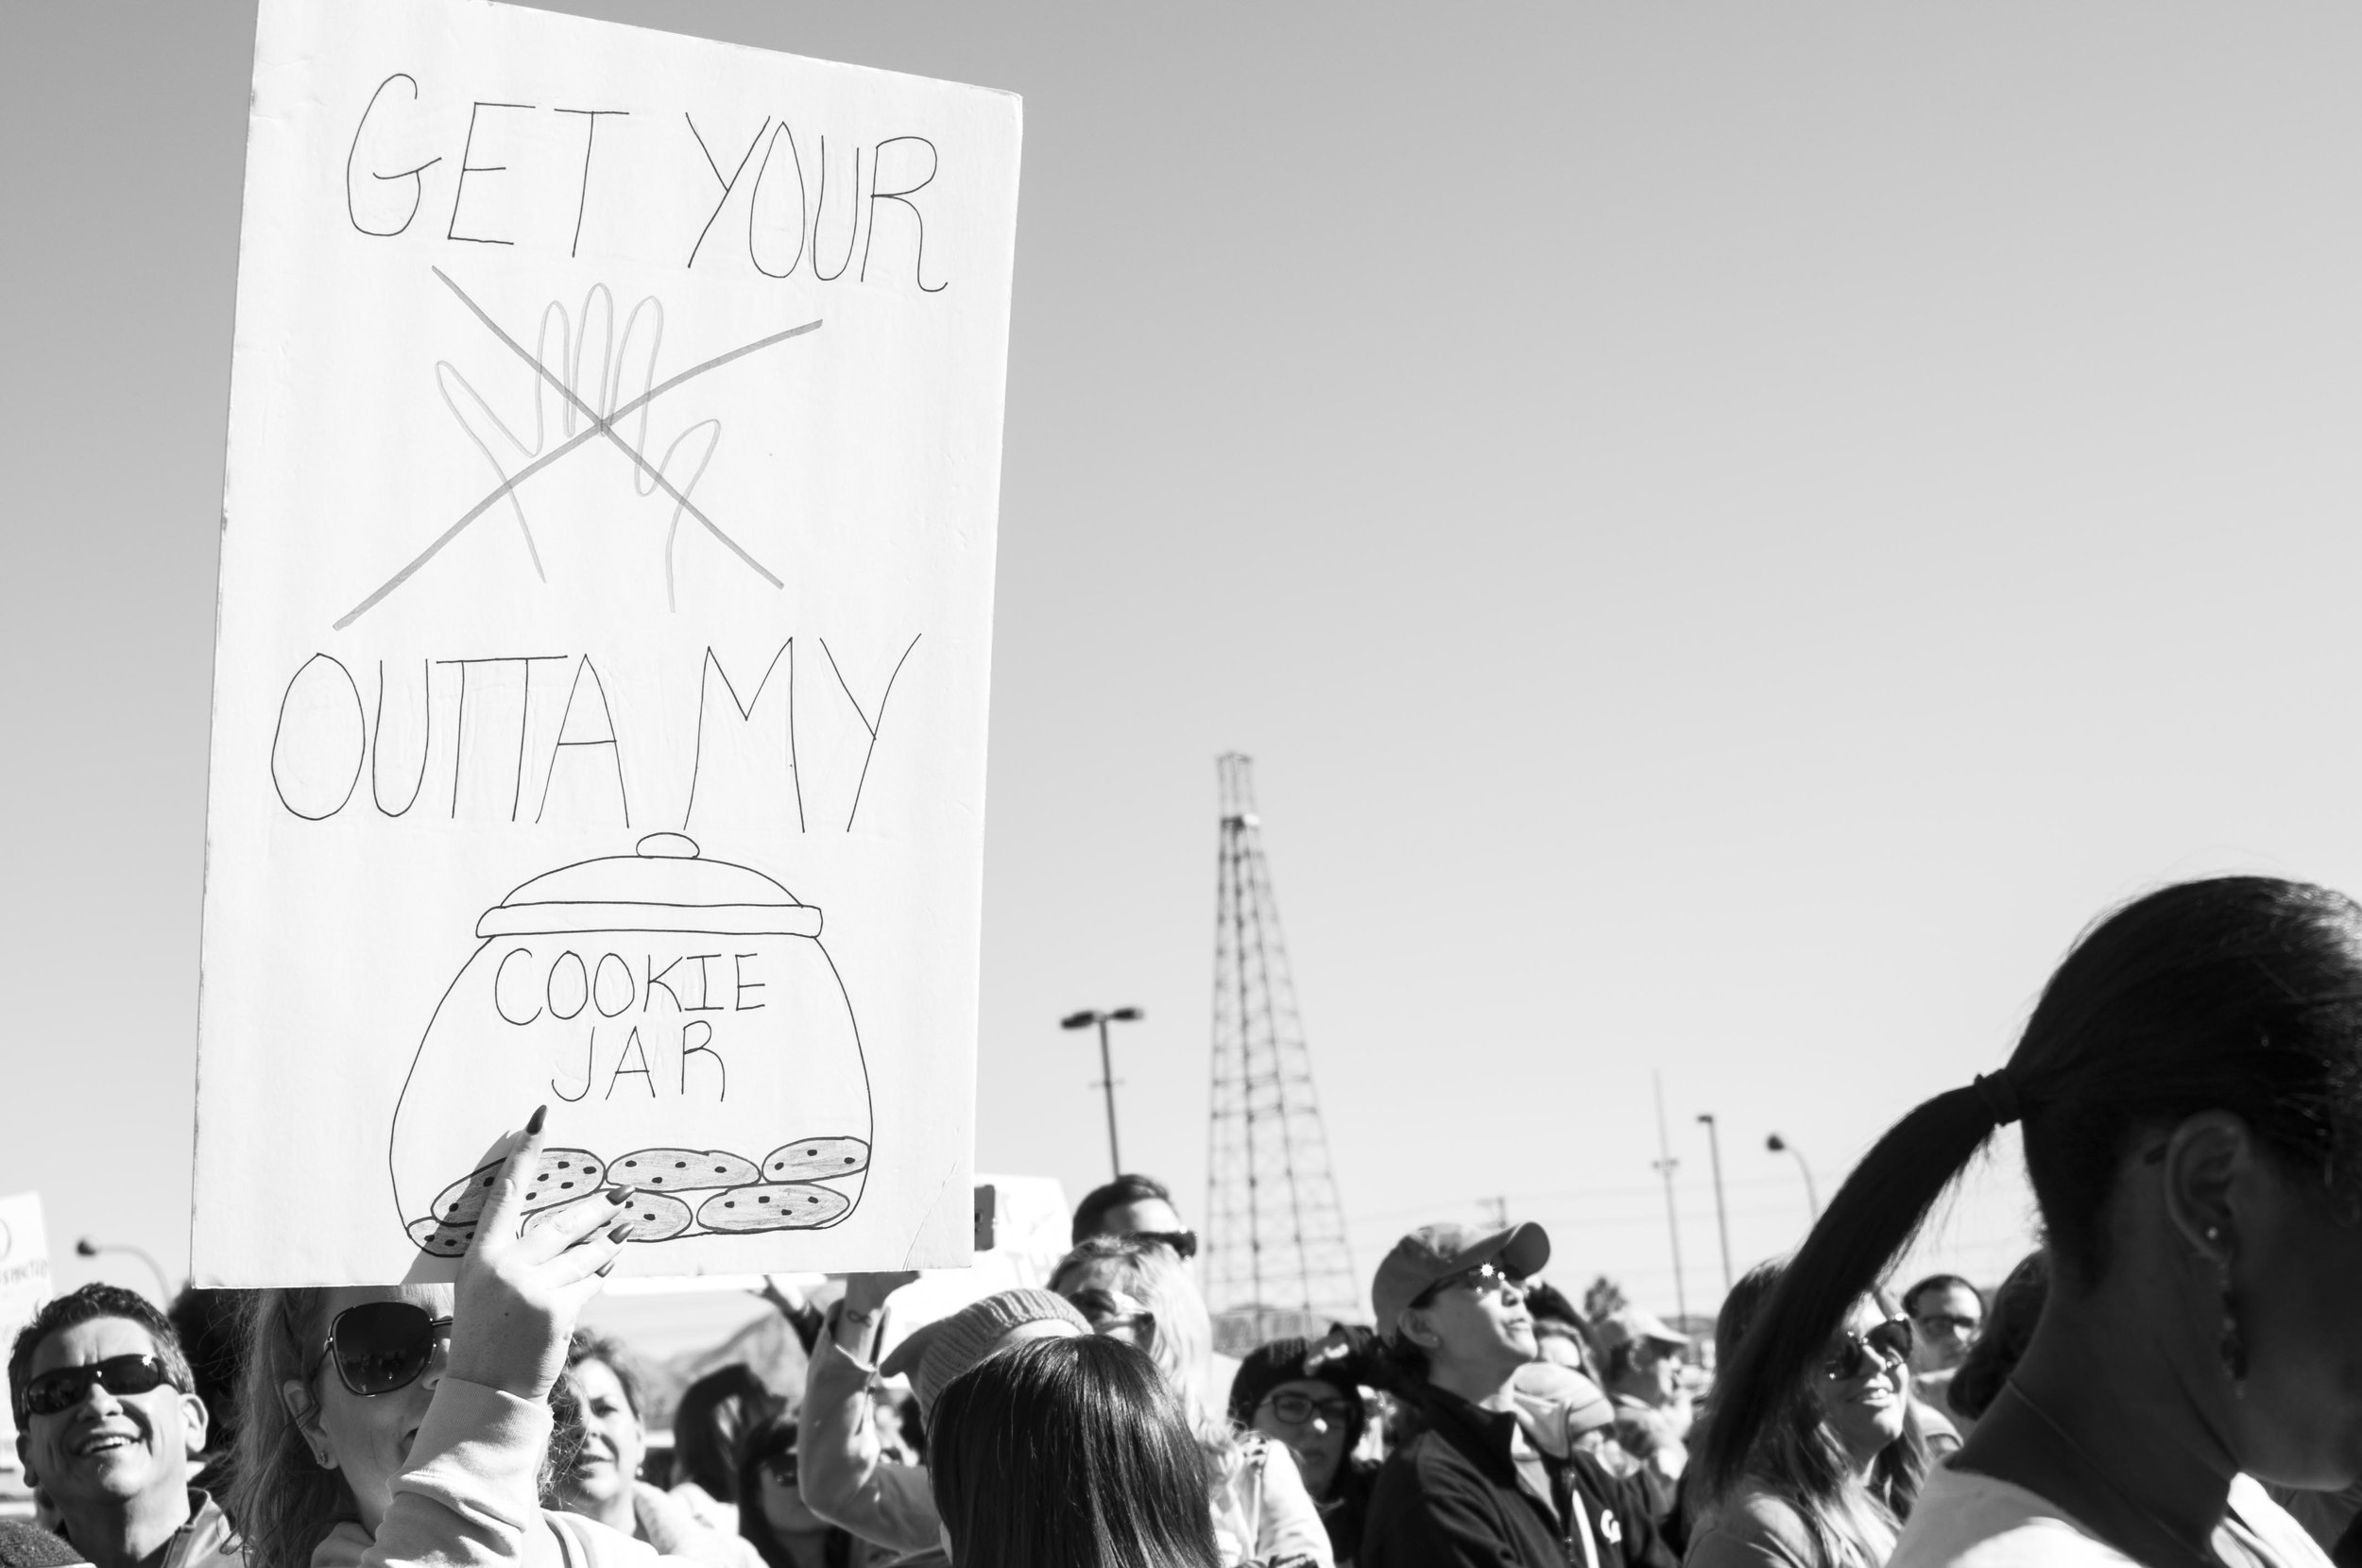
[(688, 1034)]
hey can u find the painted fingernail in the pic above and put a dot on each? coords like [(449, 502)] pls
[(621, 1195), (608, 1266), (541, 1113), (620, 1233)]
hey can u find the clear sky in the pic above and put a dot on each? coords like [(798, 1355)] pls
[(1731, 533)]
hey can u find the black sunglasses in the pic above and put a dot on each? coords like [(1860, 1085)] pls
[(380, 1346), (1483, 1277), (1183, 1242), (56, 1393), (1873, 1350)]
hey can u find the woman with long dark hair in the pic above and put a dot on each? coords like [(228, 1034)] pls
[(1262, 1512), (2190, 1086), (1834, 1471), (1068, 1453)]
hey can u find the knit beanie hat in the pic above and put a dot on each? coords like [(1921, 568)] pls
[(1267, 1367), (939, 1352)]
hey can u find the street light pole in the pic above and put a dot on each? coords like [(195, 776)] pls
[(1106, 1064), (88, 1248), (1721, 1212), (1779, 1145)]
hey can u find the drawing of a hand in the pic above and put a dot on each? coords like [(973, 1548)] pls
[(591, 406), (519, 1295)]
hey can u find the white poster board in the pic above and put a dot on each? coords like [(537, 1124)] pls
[(24, 1286), (604, 632)]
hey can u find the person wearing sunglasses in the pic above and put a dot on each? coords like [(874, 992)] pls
[(1473, 1486), (1304, 1394), (411, 1424), (1134, 1205), (1829, 1482), (106, 1420), (1262, 1512)]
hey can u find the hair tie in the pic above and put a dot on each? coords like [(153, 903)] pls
[(1999, 1096)]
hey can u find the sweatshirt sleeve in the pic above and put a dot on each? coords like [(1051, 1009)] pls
[(1289, 1531), (842, 1471), (470, 1495)]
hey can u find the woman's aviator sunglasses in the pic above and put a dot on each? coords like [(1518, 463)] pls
[(380, 1346), (1872, 1350)]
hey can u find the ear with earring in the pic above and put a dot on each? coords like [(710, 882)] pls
[(2232, 1345)]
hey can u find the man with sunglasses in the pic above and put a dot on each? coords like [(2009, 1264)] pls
[(1472, 1488), (107, 1422), (1134, 1205)]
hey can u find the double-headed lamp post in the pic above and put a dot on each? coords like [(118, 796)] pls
[(1779, 1145), (1085, 1019), (88, 1248)]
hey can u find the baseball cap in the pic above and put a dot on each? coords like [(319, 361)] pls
[(1629, 1323), (1434, 1252)]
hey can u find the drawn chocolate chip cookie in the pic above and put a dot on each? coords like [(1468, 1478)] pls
[(678, 1015)]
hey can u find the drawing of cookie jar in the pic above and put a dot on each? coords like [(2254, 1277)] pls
[(688, 1034)]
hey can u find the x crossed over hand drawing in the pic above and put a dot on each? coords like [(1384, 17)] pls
[(599, 425)]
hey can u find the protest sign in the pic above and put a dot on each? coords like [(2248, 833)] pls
[(24, 1282), (603, 631)]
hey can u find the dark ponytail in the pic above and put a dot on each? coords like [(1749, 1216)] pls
[(2241, 994)]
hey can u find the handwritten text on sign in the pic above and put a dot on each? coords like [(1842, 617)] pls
[(605, 633)]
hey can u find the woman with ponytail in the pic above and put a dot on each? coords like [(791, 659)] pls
[(2190, 1090)]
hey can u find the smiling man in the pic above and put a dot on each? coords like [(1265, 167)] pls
[(1474, 1487), (107, 1422)]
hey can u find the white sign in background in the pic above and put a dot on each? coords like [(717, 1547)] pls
[(24, 1286), (603, 652)]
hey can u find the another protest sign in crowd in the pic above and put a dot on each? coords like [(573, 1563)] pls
[(2175, 1380)]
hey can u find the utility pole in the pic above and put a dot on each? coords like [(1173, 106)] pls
[(1721, 1212), (1107, 1066), (1665, 1166)]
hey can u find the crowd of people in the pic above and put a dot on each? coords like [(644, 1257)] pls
[(2174, 1380)]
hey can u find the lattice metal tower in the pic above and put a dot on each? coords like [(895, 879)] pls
[(1276, 1259)]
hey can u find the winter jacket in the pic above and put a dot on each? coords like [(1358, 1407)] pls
[(1454, 1497)]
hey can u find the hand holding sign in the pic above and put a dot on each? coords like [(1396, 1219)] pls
[(520, 1291)]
